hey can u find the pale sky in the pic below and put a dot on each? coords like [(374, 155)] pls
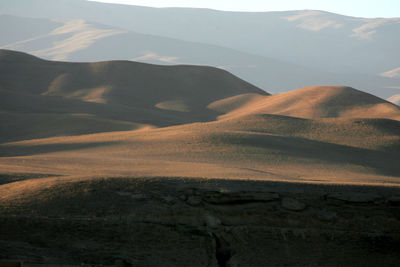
[(357, 8)]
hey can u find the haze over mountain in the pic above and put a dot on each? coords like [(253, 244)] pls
[(334, 49), (78, 40), (346, 44)]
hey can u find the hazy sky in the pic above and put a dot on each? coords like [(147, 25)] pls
[(358, 8)]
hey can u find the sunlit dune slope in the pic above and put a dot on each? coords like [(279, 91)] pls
[(312, 102)]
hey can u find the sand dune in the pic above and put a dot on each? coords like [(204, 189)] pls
[(318, 102)]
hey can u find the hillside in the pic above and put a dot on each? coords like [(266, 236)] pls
[(86, 41), (124, 113), (120, 82), (114, 108), (314, 102), (123, 163), (115, 90)]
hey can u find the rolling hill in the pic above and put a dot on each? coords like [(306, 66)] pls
[(106, 91), (100, 161), (314, 102), (224, 126)]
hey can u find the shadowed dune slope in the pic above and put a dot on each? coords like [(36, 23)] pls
[(16, 126), (369, 133), (120, 82), (27, 116), (114, 90), (311, 102)]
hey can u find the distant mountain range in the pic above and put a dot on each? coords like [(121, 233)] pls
[(277, 51)]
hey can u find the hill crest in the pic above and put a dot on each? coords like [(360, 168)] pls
[(316, 102)]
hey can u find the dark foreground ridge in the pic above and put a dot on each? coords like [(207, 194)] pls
[(198, 222)]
